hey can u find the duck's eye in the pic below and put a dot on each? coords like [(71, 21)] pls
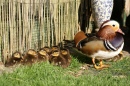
[(113, 25)]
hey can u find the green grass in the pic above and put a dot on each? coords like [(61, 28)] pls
[(44, 74)]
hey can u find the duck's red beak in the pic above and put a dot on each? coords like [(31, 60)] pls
[(120, 31)]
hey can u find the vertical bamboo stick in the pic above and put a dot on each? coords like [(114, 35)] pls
[(68, 19), (48, 23), (56, 21), (41, 24), (19, 28), (44, 24), (11, 30), (72, 16), (59, 21)]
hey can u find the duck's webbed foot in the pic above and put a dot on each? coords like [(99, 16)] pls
[(100, 66)]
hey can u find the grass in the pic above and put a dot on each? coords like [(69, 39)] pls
[(44, 74)]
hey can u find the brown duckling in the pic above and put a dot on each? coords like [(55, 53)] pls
[(43, 55), (31, 56), (66, 54), (57, 59), (53, 48), (47, 49), (16, 58)]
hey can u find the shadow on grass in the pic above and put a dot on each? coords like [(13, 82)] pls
[(80, 56)]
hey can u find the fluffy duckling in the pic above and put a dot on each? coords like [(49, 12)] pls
[(53, 48), (30, 57), (16, 58), (47, 49), (66, 54), (57, 59), (107, 44), (43, 55)]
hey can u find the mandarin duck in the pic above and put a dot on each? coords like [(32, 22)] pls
[(107, 43), (31, 56), (43, 55)]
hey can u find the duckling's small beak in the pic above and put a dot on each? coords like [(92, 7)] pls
[(120, 31)]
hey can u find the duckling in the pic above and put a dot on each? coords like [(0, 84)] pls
[(47, 49), (66, 54), (31, 56), (43, 55), (53, 48), (16, 58), (57, 59)]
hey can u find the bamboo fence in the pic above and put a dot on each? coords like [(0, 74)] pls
[(26, 24)]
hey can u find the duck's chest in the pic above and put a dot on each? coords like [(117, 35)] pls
[(107, 54)]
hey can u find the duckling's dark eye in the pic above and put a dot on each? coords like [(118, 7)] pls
[(113, 25)]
